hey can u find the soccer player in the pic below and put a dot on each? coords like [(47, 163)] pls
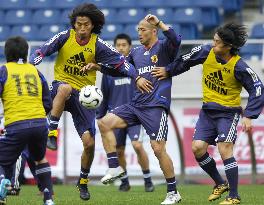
[(149, 109), (118, 91), (78, 48), (26, 101), (224, 75)]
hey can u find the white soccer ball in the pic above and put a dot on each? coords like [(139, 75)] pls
[(90, 96)]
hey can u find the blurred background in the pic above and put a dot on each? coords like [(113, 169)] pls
[(38, 20)]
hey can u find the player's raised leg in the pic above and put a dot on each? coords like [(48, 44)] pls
[(61, 93)]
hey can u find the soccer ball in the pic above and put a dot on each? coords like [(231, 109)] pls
[(90, 97)]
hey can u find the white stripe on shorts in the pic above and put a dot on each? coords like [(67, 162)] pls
[(232, 132), (163, 126)]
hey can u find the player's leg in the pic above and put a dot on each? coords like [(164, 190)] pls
[(121, 117), (135, 133), (11, 146), (205, 133), (60, 93), (120, 135), (84, 122), (37, 150), (17, 172), (227, 135), (157, 129), (32, 166)]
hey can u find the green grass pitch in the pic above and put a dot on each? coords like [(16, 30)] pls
[(109, 195)]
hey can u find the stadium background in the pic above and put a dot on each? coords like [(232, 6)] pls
[(38, 20)]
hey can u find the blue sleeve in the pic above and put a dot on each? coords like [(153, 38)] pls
[(111, 61), (102, 110), (51, 46), (171, 43), (182, 64), (46, 97), (251, 82), (3, 78)]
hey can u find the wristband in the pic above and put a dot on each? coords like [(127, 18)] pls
[(157, 24), (137, 78)]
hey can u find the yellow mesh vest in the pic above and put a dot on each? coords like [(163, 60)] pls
[(22, 94), (71, 58), (219, 82)]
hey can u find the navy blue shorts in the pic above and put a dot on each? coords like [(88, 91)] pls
[(216, 126), (83, 118), (17, 137), (153, 119), (133, 132)]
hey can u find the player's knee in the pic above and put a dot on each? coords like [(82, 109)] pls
[(225, 150), (197, 149), (88, 141), (64, 90), (88, 145), (103, 125), (158, 150), (137, 146)]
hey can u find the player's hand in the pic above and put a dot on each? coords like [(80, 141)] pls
[(246, 124), (152, 19), (91, 66), (144, 85), (160, 73)]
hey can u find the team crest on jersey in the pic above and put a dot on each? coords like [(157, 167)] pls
[(154, 59)]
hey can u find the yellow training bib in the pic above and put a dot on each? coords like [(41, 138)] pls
[(22, 93), (71, 58), (219, 82)]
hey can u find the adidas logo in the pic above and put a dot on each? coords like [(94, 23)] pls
[(77, 60), (214, 81), (217, 75), (153, 134)]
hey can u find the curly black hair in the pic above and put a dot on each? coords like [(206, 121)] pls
[(92, 12), (16, 48), (234, 35)]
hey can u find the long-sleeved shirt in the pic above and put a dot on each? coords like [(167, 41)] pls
[(24, 92), (72, 57), (117, 91), (215, 81), (161, 53)]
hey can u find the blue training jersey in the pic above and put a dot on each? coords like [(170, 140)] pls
[(117, 91), (161, 53), (242, 73)]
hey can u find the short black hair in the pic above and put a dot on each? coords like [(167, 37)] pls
[(16, 48), (123, 36), (234, 35), (90, 11)]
